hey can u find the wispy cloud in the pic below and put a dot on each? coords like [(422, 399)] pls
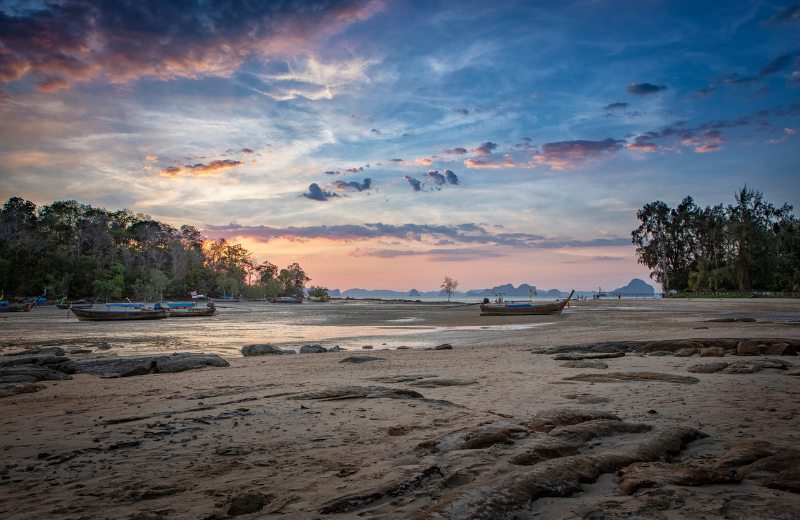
[(568, 154), (200, 169), (644, 89)]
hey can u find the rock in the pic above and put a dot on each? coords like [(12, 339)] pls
[(616, 377), (358, 392), (401, 378), (549, 419), (585, 398), (433, 383), (707, 368), (712, 352), (655, 474), (360, 359), (779, 349), (43, 351), (486, 439), (685, 352), (722, 320), (312, 349), (260, 349), (61, 364), (561, 477), (9, 389), (769, 466), (786, 480), (670, 345), (584, 364), (794, 371), (403, 347), (179, 362), (545, 450), (337, 348), (748, 451), (747, 348), (367, 347), (119, 367), (30, 374), (746, 320), (248, 503), (581, 357), (79, 351), (660, 353), (444, 346), (586, 431)]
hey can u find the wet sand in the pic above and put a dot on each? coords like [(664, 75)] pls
[(188, 445)]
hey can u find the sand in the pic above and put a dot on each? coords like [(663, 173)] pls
[(206, 443)]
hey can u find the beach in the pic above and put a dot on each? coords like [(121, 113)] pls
[(315, 436)]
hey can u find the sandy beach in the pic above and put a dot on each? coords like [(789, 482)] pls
[(467, 432)]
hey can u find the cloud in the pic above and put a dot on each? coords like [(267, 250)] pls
[(437, 255), (417, 185), (775, 65), (427, 161), (484, 149), (642, 144), (507, 161), (364, 119), (644, 89), (794, 79), (566, 154), (355, 170), (396, 160), (616, 106), (787, 15), (606, 258), (461, 111), (247, 151), (787, 133), (452, 178), (437, 177), (151, 158), (74, 40), (331, 172), (376, 131), (52, 83), (455, 151), (341, 185), (317, 193), (707, 148), (703, 92), (200, 169)]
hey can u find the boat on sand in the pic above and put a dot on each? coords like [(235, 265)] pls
[(190, 310), (121, 312), (523, 308)]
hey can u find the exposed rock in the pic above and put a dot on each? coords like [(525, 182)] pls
[(655, 474), (359, 392), (545, 449), (794, 371), (549, 419), (707, 368), (722, 320), (746, 320), (769, 466), (248, 503), (9, 389), (312, 349), (42, 351), (712, 352), (668, 345), (61, 364), (181, 361), (360, 359), (400, 487), (444, 346), (119, 367), (778, 349), (486, 439), (30, 374), (658, 353), (261, 349), (367, 347), (616, 377), (500, 497), (401, 378), (589, 430), (786, 480), (747, 348), (433, 383), (586, 398), (337, 348), (584, 364), (580, 357), (79, 351), (748, 451), (685, 352)]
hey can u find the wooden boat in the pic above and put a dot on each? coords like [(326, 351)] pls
[(78, 304), (124, 313), (190, 310), (16, 307), (523, 309), (285, 299)]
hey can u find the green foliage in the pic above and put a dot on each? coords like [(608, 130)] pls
[(748, 245), (319, 293)]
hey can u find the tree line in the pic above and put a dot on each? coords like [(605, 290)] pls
[(76, 250), (748, 245)]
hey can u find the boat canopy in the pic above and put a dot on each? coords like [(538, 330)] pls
[(179, 304), (125, 304)]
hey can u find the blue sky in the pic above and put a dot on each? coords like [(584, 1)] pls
[(502, 142)]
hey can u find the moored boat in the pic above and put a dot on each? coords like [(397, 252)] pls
[(190, 310), (523, 309), (78, 304), (285, 299), (15, 307), (121, 312)]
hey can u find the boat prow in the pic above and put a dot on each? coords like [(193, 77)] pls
[(525, 309)]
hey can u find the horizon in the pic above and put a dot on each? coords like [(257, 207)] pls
[(387, 144)]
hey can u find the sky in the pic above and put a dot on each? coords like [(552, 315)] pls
[(386, 144)]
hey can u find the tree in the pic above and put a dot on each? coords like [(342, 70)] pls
[(320, 293), (449, 285)]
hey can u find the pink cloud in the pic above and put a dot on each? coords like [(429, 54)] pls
[(202, 170), (567, 154), (707, 148), (455, 151)]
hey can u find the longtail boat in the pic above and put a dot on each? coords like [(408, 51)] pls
[(523, 309), (78, 304), (190, 310), (285, 299), (122, 312), (15, 307)]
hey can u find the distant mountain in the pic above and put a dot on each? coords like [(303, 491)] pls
[(636, 286), (414, 292)]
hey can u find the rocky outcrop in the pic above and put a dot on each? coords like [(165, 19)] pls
[(748, 451), (599, 365), (656, 474), (138, 366), (712, 352), (433, 383), (312, 349), (707, 368), (263, 349), (360, 359), (359, 392), (747, 348), (548, 420), (645, 347), (581, 357), (617, 377)]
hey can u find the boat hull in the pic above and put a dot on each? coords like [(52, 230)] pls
[(193, 313), (25, 307), (526, 310), (88, 315)]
